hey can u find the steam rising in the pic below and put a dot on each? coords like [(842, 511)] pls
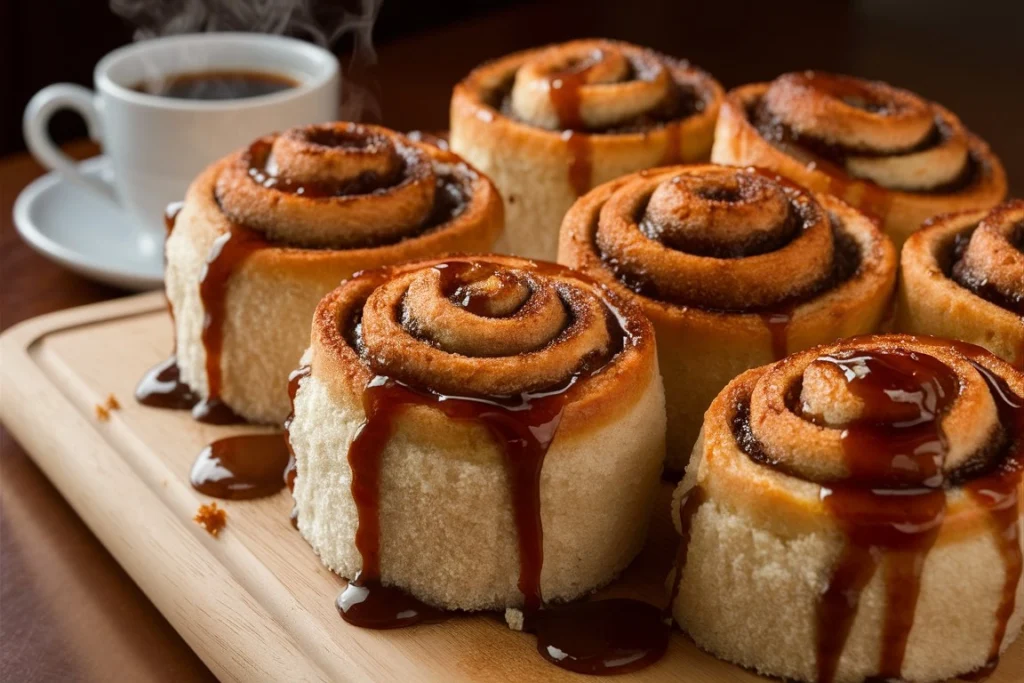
[(326, 23)]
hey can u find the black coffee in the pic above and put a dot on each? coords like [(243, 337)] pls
[(216, 85)]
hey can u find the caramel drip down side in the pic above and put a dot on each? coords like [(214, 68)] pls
[(161, 386), (887, 426), (318, 193), (537, 333)]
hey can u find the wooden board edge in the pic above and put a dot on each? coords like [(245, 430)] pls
[(31, 407)]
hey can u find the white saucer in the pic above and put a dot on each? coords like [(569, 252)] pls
[(86, 233)]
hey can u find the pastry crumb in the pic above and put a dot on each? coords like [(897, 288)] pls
[(103, 409), (211, 518), (514, 618)]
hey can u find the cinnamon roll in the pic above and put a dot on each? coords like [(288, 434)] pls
[(264, 233), (475, 433), (963, 278), (549, 124), (885, 150), (735, 268), (853, 512)]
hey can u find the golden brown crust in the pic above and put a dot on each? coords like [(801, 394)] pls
[(785, 496), (250, 256), (963, 278), (477, 231), (852, 513), (601, 356), (541, 168), (789, 298), (914, 178)]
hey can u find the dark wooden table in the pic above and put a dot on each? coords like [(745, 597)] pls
[(67, 610)]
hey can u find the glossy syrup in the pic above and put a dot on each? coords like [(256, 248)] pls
[(524, 426), (161, 386), (892, 505), (458, 276), (228, 253), (241, 467), (777, 324), (601, 637), (294, 379), (999, 492), (581, 171), (688, 508), (564, 92)]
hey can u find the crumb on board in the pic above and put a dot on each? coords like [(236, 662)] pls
[(103, 409), (211, 518), (514, 618)]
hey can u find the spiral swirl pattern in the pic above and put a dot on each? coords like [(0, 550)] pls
[(963, 278), (804, 413), (899, 444), (343, 185), (492, 326), (885, 150), (992, 262), (265, 232), (597, 85), (872, 130), (735, 267), (549, 124), (505, 383), (714, 237)]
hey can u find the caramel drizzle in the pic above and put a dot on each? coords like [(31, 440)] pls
[(892, 506), (228, 253), (999, 492), (581, 171), (691, 503), (161, 386), (294, 379), (564, 92), (241, 467), (604, 637)]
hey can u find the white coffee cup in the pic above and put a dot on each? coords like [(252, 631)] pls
[(157, 144)]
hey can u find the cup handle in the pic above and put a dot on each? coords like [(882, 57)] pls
[(37, 115)]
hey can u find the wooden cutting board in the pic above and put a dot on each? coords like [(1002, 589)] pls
[(254, 603)]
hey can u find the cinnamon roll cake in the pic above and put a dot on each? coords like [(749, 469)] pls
[(853, 512), (885, 150), (549, 124), (735, 268), (475, 433), (963, 278), (266, 232)]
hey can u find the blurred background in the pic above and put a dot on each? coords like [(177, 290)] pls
[(965, 54), (69, 612)]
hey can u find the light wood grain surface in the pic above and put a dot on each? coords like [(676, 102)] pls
[(254, 603)]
